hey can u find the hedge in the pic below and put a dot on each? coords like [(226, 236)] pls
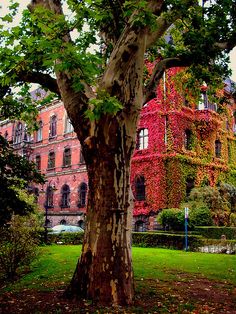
[(166, 240), (216, 232), (61, 238), (142, 239)]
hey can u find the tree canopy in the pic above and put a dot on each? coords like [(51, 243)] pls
[(178, 33)]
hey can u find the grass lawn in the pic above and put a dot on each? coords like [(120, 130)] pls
[(164, 280), (55, 265)]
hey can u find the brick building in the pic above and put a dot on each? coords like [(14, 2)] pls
[(179, 145)]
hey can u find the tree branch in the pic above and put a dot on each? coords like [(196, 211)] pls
[(160, 67), (45, 80), (165, 20)]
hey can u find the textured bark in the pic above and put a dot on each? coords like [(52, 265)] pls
[(104, 272)]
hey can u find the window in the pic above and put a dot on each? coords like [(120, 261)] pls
[(142, 142), (189, 186), (51, 160), (140, 226), (203, 103), (188, 139), (68, 125), (65, 196), (82, 194), (38, 162), (49, 197), (53, 126), (39, 134), (63, 222), (81, 157), (18, 133), (217, 148), (67, 157), (140, 188), (81, 224), (6, 135)]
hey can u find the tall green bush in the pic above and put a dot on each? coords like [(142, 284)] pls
[(18, 245), (173, 218)]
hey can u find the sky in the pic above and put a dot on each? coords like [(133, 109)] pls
[(23, 4)]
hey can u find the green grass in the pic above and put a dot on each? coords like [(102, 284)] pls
[(55, 265)]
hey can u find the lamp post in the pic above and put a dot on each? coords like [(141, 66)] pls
[(48, 204), (46, 223)]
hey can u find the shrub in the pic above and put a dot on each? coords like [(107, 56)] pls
[(166, 240), (200, 217), (216, 232), (172, 218), (66, 238), (18, 245)]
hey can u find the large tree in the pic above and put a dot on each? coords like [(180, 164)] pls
[(103, 90)]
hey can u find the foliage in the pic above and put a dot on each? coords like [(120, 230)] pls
[(166, 240), (16, 174), (18, 245), (172, 218), (66, 238), (41, 50), (213, 232), (221, 200)]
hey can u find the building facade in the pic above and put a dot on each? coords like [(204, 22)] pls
[(179, 145)]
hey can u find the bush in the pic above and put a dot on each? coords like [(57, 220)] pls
[(166, 240), (172, 218), (66, 238), (200, 217), (18, 246), (217, 232)]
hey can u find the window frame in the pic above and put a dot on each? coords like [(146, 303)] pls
[(82, 193), (67, 157), (218, 148), (51, 160), (38, 162), (140, 188), (142, 139), (53, 126), (39, 132), (65, 196)]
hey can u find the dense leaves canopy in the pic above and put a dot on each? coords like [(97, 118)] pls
[(178, 33)]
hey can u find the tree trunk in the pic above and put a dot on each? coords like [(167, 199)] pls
[(104, 271)]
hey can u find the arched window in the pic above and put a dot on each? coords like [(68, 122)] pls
[(140, 226), (81, 224), (82, 191), (217, 148), (51, 160), (38, 162), (63, 222), (188, 139), (65, 196), (49, 197), (81, 157), (18, 133), (53, 126), (142, 139), (68, 125), (67, 157), (189, 185), (140, 188), (39, 134)]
